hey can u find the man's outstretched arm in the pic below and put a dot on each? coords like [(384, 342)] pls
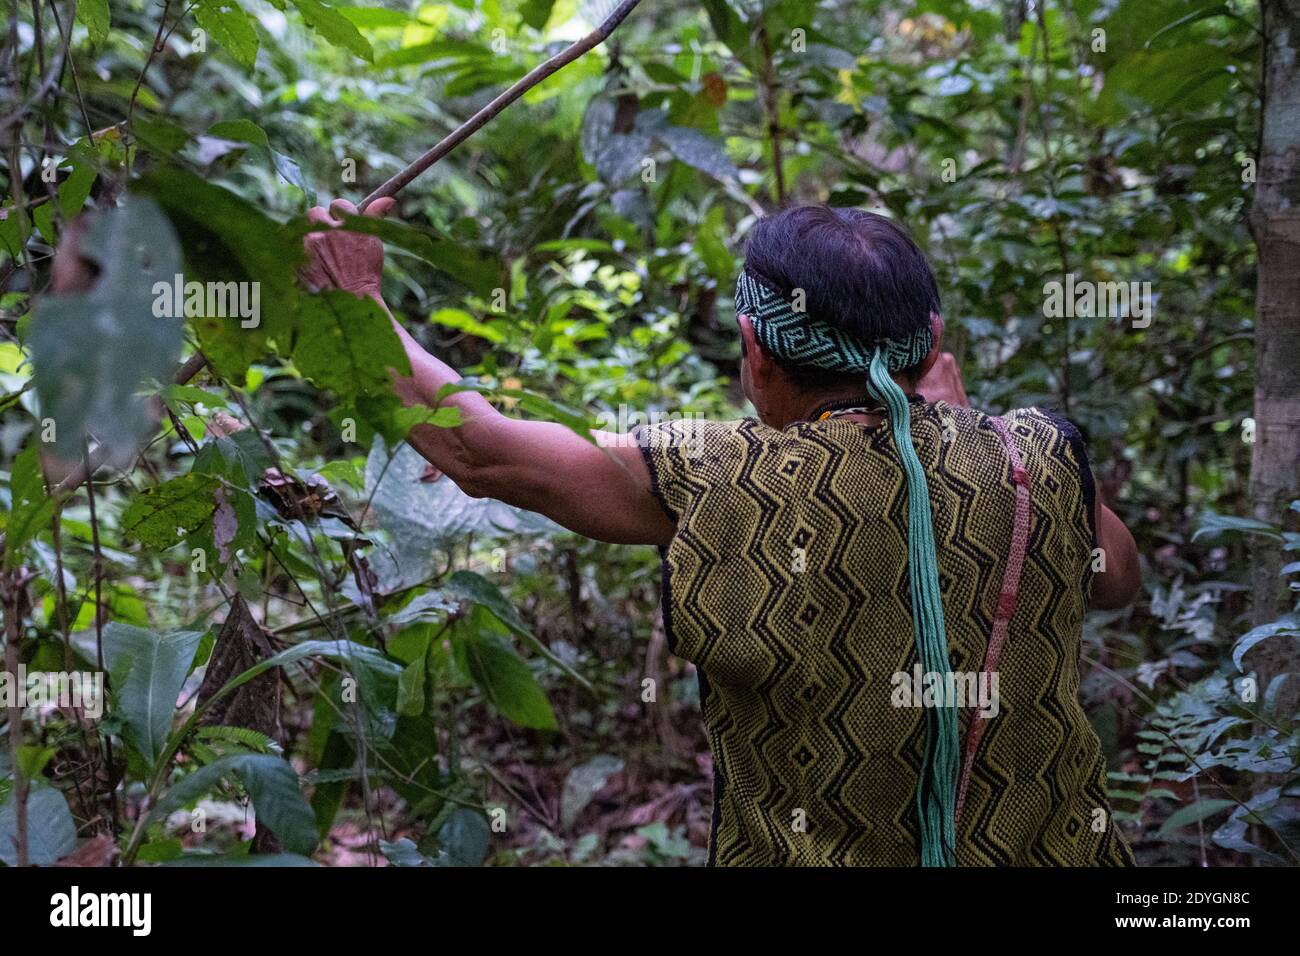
[(599, 490)]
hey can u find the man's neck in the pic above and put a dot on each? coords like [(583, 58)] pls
[(803, 406)]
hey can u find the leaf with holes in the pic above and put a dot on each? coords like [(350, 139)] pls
[(161, 516)]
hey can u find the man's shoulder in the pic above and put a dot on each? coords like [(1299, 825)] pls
[(1044, 423), (1050, 443)]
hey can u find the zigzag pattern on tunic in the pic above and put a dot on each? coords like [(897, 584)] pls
[(786, 585)]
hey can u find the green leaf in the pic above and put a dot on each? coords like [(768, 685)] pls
[(246, 131), (1286, 626), (371, 18), (161, 851), (358, 657), (93, 14), (699, 151), (232, 28), (407, 418), (1212, 525), (462, 321), (159, 136), (410, 688), (93, 352), (271, 784), (30, 508), (51, 831), (229, 239), (485, 655), (347, 344), (535, 13), (477, 270), (334, 27), (244, 737), (239, 457), (74, 190), (237, 462), (1194, 813), (464, 838), (479, 590), (711, 244), (582, 784), (403, 852), (729, 27), (148, 671), (423, 517), (161, 516), (1216, 10)]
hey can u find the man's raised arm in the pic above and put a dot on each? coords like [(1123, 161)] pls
[(599, 490)]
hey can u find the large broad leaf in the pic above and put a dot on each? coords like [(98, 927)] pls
[(422, 517), (94, 15), (93, 352), (410, 688), (729, 27), (484, 654), (1194, 75), (228, 239), (334, 27), (479, 591), (148, 671), (698, 150), (230, 27), (30, 509), (271, 784), (161, 516), (535, 13), (376, 677), (346, 344), (622, 156), (51, 832)]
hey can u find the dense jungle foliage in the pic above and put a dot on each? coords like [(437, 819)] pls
[(417, 677)]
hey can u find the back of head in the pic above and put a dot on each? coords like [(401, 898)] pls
[(858, 272)]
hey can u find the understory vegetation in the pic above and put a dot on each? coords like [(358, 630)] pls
[(317, 648)]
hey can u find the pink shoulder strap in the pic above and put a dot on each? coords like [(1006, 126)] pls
[(1006, 598)]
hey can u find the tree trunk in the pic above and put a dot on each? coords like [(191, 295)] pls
[(1275, 223)]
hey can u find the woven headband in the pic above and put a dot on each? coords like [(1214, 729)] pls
[(803, 339)]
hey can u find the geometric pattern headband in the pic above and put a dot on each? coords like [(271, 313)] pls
[(802, 339)]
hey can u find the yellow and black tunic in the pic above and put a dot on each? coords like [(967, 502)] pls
[(786, 585)]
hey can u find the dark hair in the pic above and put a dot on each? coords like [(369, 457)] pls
[(860, 272)]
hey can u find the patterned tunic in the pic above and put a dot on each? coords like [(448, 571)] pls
[(786, 585)]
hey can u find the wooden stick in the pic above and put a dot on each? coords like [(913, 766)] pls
[(479, 119)]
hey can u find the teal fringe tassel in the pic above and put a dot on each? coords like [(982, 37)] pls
[(936, 795)]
